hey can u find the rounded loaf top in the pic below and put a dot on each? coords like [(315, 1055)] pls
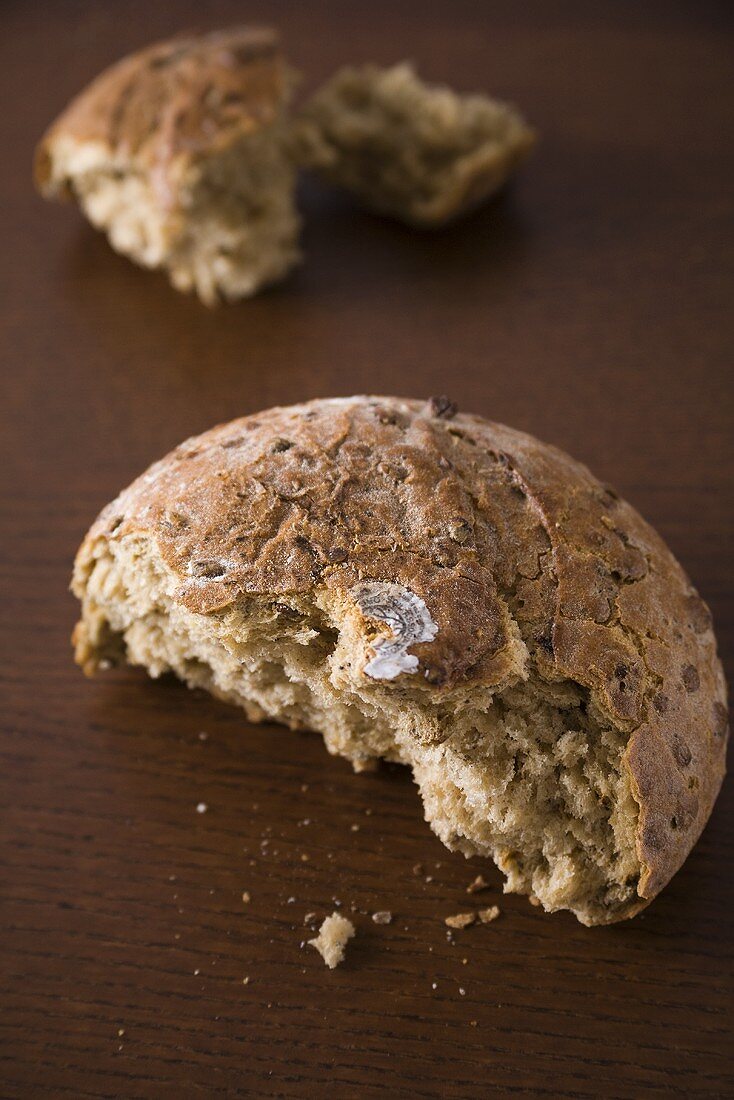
[(174, 101)]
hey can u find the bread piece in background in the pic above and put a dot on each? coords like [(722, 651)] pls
[(418, 152), (438, 590), (178, 153)]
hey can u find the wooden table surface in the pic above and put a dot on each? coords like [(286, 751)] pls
[(591, 306)]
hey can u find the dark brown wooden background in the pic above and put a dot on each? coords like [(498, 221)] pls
[(592, 306)]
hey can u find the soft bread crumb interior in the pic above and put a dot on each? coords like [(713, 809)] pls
[(417, 151), (529, 777), (331, 942), (230, 229)]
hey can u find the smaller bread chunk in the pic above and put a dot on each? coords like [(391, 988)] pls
[(418, 152), (334, 934), (178, 153)]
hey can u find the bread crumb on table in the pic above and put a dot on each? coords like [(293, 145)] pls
[(334, 934), (460, 920), (490, 914), (479, 883), (382, 916), (201, 807), (246, 896)]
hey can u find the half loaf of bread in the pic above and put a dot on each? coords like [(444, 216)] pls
[(442, 591)]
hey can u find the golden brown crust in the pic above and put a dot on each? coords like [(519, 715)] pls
[(171, 103), (502, 537)]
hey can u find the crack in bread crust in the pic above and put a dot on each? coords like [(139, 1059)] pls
[(539, 580)]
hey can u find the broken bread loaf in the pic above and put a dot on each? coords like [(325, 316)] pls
[(178, 153), (421, 153), (438, 590)]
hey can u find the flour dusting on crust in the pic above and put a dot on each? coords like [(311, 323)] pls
[(408, 620)]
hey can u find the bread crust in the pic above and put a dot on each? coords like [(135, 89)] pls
[(172, 103), (517, 551)]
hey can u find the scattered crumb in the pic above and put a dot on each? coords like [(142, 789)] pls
[(290, 901), (460, 920), (462, 992), (121, 1031), (418, 869), (203, 735), (434, 985), (354, 828), (304, 787), (464, 962), (246, 896), (196, 973), (533, 900), (333, 936), (177, 935), (305, 857), (472, 1023), (368, 813), (429, 878), (487, 915), (201, 807), (171, 878), (382, 916), (309, 917), (480, 883), (246, 981)]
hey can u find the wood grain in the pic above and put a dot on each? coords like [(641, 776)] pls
[(591, 306)]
